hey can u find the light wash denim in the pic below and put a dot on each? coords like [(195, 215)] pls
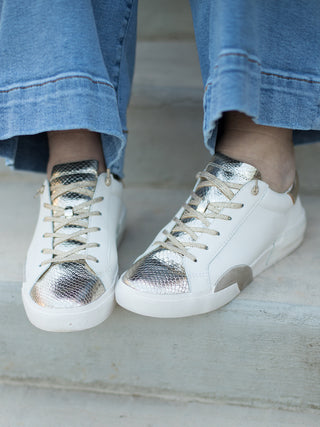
[(69, 64)]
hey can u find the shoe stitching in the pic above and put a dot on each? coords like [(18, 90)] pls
[(98, 82), (266, 73)]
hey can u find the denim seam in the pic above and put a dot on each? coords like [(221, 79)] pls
[(121, 41), (97, 82), (122, 48), (238, 54), (265, 73)]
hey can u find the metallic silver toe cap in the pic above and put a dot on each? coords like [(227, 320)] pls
[(67, 285), (160, 273)]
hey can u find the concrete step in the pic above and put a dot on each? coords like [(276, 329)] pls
[(26, 406), (164, 20), (260, 350)]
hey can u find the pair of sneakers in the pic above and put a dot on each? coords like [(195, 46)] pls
[(231, 228)]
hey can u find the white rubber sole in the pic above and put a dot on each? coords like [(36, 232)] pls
[(77, 318), (183, 305), (68, 320)]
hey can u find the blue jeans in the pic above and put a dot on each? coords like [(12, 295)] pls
[(69, 65)]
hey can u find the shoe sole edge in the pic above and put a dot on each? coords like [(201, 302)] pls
[(68, 319)]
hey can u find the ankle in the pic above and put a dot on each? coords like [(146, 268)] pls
[(74, 145), (269, 149)]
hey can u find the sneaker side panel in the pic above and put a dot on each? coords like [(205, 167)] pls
[(110, 223), (33, 270), (253, 242)]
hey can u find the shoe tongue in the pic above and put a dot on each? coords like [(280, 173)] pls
[(83, 172), (229, 171), (69, 173), (232, 171)]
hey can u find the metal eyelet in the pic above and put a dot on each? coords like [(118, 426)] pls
[(68, 212), (40, 191), (255, 189), (108, 179)]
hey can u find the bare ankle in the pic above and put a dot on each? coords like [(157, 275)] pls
[(74, 145), (269, 149)]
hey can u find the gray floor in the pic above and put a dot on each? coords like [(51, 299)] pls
[(23, 406)]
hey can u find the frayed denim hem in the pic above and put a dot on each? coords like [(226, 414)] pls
[(272, 98)]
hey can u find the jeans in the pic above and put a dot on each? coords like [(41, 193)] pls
[(69, 65)]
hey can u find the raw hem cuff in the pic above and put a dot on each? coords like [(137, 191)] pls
[(66, 102), (239, 83)]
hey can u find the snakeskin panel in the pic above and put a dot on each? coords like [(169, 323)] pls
[(159, 272)]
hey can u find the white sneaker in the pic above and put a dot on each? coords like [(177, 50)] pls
[(72, 262), (232, 228)]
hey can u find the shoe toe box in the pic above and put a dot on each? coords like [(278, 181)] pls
[(159, 272), (67, 285)]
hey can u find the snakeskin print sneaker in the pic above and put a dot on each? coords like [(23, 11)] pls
[(72, 263), (232, 227)]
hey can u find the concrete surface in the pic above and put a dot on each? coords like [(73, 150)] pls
[(252, 353), (164, 19), (37, 407)]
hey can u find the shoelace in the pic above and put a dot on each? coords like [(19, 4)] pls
[(212, 211), (71, 216)]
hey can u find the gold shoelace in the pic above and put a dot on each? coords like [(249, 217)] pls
[(212, 211), (71, 216)]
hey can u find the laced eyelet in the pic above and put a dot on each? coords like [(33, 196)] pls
[(108, 179), (40, 191), (195, 260), (255, 189), (206, 248)]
